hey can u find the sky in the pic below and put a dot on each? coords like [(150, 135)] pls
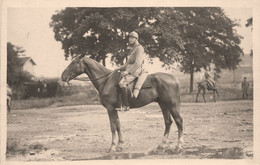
[(29, 28)]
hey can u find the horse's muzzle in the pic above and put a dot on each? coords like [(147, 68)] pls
[(63, 78)]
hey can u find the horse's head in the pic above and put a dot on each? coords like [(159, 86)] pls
[(74, 69)]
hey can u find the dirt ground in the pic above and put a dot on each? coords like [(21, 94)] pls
[(222, 130)]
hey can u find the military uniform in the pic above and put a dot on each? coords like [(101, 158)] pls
[(9, 94), (132, 69), (134, 65), (209, 80), (245, 88)]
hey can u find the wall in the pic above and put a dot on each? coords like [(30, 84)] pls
[(29, 67)]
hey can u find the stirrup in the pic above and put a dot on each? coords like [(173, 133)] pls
[(123, 108)]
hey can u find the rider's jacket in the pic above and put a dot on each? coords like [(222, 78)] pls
[(135, 61)]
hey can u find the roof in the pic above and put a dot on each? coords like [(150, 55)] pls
[(23, 60)]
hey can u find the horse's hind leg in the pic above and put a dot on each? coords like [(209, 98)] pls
[(203, 94), (214, 95), (198, 94), (168, 123), (175, 112)]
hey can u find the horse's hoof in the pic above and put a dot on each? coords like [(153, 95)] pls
[(119, 149), (178, 150), (169, 151), (112, 150), (161, 146), (172, 151), (152, 152)]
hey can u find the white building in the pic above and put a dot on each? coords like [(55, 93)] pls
[(26, 64)]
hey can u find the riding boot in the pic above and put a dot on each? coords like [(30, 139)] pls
[(126, 106)]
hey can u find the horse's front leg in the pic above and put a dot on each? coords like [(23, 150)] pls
[(198, 95), (120, 136), (217, 92), (115, 128)]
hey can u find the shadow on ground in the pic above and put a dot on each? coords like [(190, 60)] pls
[(223, 153)]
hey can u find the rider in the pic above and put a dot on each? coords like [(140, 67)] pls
[(132, 69), (210, 81)]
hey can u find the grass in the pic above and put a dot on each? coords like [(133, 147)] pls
[(12, 147), (87, 95), (225, 93), (76, 96)]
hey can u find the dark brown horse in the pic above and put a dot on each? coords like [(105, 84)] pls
[(164, 90), (203, 85)]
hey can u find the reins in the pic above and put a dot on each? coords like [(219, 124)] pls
[(106, 75), (92, 79)]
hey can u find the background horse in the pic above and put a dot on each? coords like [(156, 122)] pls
[(203, 86), (164, 90)]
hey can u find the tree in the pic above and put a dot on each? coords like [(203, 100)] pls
[(14, 75), (99, 31), (195, 37), (250, 24), (209, 38)]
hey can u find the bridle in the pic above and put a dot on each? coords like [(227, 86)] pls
[(106, 76)]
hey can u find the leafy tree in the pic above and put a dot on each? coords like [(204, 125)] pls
[(250, 24), (14, 75), (195, 37), (99, 31), (209, 38)]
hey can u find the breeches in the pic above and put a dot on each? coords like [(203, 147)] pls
[(126, 80)]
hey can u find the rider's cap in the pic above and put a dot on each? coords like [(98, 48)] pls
[(133, 34)]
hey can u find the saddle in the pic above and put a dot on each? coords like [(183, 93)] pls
[(141, 82), (144, 81), (210, 86)]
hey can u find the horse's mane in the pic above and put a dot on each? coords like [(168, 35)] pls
[(93, 62)]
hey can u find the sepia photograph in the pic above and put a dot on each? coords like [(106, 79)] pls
[(91, 82)]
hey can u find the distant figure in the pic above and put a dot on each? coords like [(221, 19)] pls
[(209, 80), (9, 94), (44, 89), (245, 88), (39, 88)]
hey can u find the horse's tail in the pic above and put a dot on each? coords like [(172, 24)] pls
[(178, 90)]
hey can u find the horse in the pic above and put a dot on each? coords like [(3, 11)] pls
[(203, 85), (164, 90)]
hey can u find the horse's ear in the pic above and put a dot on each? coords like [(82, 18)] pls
[(81, 56), (78, 56)]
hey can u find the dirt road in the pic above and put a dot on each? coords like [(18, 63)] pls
[(213, 130)]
